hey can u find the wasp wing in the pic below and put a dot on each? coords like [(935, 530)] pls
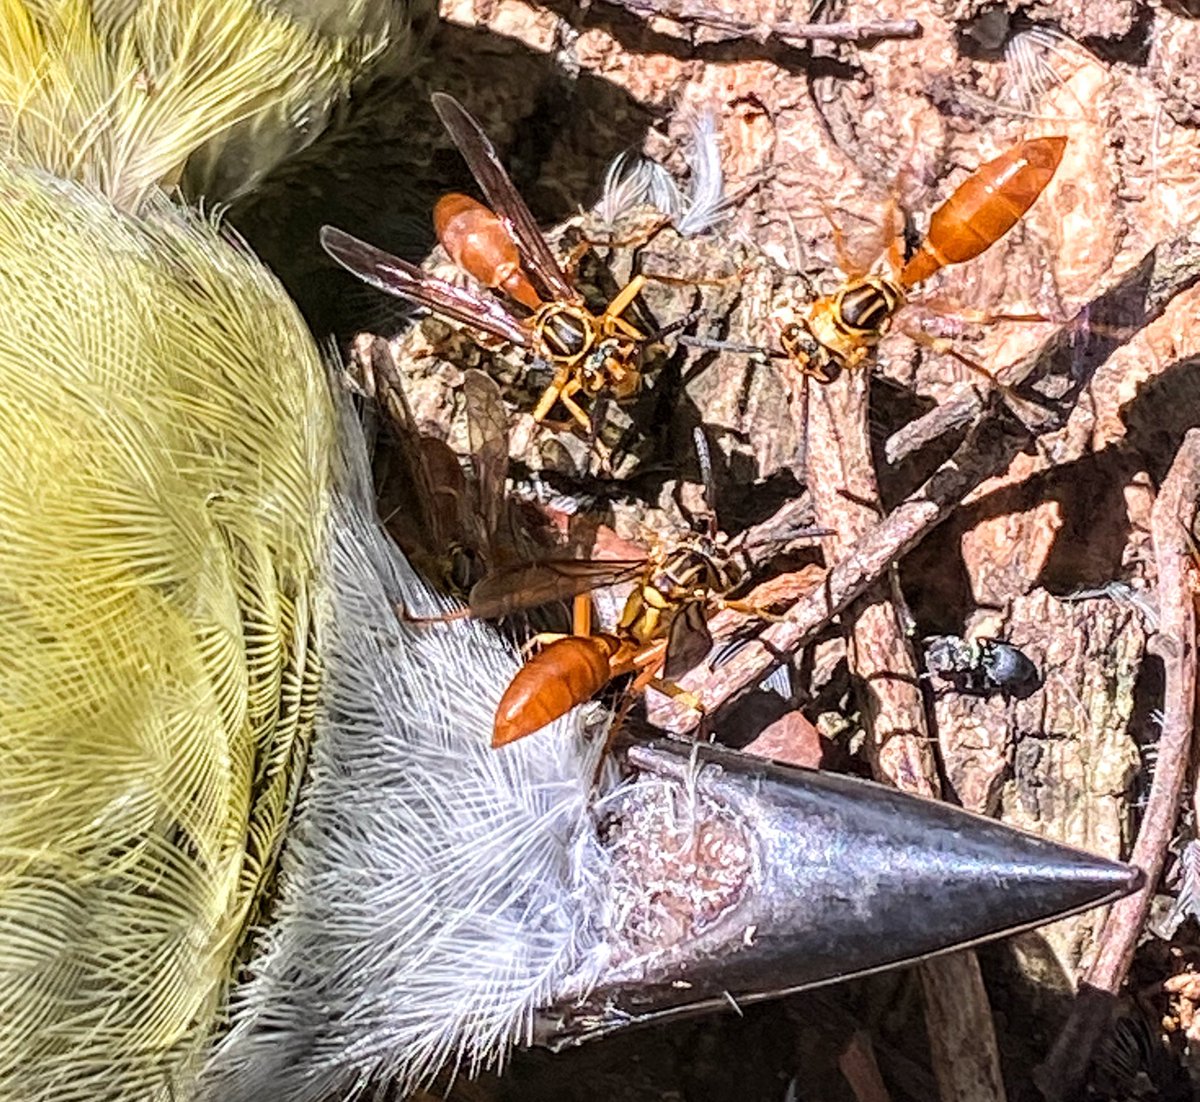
[(398, 277), (420, 486), (487, 438), (688, 640), (507, 590), (504, 199)]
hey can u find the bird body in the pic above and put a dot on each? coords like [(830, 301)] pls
[(254, 841), (166, 461)]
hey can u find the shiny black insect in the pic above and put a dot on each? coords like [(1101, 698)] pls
[(982, 666)]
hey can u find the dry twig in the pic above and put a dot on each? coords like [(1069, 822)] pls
[(1172, 519), (702, 16), (845, 492), (859, 1068), (841, 479)]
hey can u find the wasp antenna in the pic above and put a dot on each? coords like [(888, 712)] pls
[(704, 459)]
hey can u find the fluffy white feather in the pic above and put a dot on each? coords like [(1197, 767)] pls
[(633, 180), (430, 893)]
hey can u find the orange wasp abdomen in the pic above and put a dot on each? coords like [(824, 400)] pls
[(985, 207), (481, 246), (563, 674)]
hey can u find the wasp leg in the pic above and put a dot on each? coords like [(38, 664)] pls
[(552, 393), (669, 688), (581, 614), (747, 609), (541, 639), (945, 308), (438, 618), (625, 297), (565, 396), (1030, 414)]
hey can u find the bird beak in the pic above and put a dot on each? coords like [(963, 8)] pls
[(732, 879)]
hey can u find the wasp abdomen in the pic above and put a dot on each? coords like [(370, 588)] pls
[(479, 244), (985, 207), (565, 673)]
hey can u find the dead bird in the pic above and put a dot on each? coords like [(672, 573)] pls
[(203, 671)]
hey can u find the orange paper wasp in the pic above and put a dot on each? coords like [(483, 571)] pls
[(840, 330), (662, 632), (503, 249), (663, 626)]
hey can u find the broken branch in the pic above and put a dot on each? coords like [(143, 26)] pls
[(1172, 520)]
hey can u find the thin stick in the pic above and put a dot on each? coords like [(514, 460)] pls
[(845, 493), (859, 1068), (962, 1037), (1172, 519), (867, 31)]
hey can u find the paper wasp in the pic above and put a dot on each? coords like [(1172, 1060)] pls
[(451, 528), (675, 589), (840, 330), (662, 632), (502, 248)]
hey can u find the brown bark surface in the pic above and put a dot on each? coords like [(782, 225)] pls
[(950, 516)]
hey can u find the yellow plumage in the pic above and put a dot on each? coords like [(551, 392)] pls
[(165, 447), (121, 94), (164, 476)]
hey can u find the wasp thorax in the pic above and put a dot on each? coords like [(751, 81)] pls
[(566, 332), (700, 567), (868, 306), (464, 567)]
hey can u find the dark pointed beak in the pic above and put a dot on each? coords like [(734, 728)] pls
[(733, 879)]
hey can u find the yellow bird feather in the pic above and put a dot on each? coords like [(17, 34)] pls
[(122, 95), (165, 449)]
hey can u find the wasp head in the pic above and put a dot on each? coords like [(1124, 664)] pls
[(807, 354), (612, 366)]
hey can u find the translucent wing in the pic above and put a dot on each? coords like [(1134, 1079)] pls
[(505, 591), (688, 641), (503, 198), (487, 437), (398, 277)]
